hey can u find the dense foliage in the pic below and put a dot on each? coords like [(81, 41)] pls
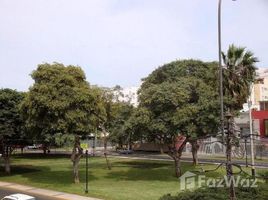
[(181, 98), (11, 124), (62, 103), (59, 102), (260, 193), (239, 73)]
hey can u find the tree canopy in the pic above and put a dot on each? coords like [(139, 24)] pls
[(11, 124), (181, 99), (239, 73), (61, 102)]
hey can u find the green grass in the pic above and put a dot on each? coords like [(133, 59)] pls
[(128, 179)]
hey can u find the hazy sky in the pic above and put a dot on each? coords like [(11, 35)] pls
[(122, 41)]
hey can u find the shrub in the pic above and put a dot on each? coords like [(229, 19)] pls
[(264, 175), (260, 193)]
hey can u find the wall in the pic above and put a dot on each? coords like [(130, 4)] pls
[(261, 115)]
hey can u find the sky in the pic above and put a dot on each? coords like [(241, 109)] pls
[(118, 42)]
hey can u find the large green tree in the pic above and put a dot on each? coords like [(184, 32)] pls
[(11, 124), (61, 102), (181, 98)]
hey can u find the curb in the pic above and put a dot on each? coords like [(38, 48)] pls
[(44, 192)]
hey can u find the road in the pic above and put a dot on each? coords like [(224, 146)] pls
[(154, 156), (5, 192), (157, 156)]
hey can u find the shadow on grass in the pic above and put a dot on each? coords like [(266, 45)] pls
[(19, 170), (44, 175), (150, 171), (141, 164), (40, 156)]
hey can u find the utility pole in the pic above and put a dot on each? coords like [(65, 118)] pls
[(253, 171)]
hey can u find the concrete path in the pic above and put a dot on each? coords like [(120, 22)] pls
[(48, 193)]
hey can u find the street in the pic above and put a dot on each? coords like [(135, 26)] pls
[(202, 160)]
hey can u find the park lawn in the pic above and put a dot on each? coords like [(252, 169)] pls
[(128, 179)]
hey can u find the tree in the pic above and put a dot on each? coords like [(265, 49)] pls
[(181, 101), (137, 125), (61, 102), (11, 124), (119, 132), (238, 75)]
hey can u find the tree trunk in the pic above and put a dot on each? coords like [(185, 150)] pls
[(7, 164), (44, 151), (76, 170), (195, 147), (161, 149), (177, 163), (107, 162), (105, 141), (6, 157), (130, 142), (75, 158), (175, 151), (229, 167), (161, 146)]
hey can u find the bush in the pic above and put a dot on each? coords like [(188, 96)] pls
[(264, 175), (260, 193)]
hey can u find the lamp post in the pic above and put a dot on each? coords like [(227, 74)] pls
[(220, 71), (246, 151), (86, 190), (228, 115)]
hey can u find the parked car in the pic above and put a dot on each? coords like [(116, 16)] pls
[(126, 151), (18, 197), (32, 146)]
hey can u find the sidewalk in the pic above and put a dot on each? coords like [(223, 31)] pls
[(44, 192)]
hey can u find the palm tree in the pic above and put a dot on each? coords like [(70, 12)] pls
[(238, 74)]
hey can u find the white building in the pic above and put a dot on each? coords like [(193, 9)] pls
[(130, 94)]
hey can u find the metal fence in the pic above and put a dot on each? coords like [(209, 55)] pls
[(212, 146)]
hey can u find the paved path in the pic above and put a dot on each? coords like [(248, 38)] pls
[(7, 188)]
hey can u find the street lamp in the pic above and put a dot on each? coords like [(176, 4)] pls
[(221, 95), (86, 190), (228, 115), (220, 69)]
